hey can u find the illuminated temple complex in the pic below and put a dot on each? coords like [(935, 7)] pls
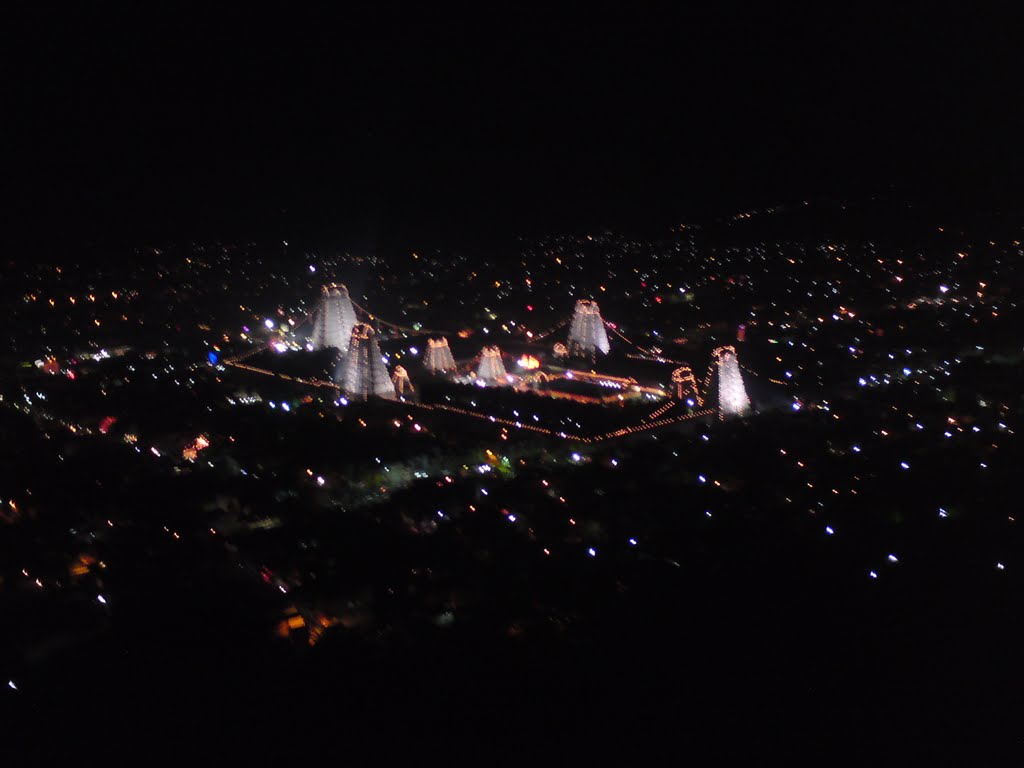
[(361, 372)]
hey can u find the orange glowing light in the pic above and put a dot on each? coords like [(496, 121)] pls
[(529, 362)]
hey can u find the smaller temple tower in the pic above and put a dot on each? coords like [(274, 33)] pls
[(491, 369), (684, 385), (438, 357), (400, 380)]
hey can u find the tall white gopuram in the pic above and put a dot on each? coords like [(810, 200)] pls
[(361, 373), (587, 335), (732, 395), (333, 319)]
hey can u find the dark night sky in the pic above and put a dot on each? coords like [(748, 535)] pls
[(128, 123)]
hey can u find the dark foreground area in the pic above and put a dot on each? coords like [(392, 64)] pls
[(754, 651)]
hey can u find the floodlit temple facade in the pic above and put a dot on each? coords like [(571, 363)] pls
[(361, 373), (333, 319), (587, 335)]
